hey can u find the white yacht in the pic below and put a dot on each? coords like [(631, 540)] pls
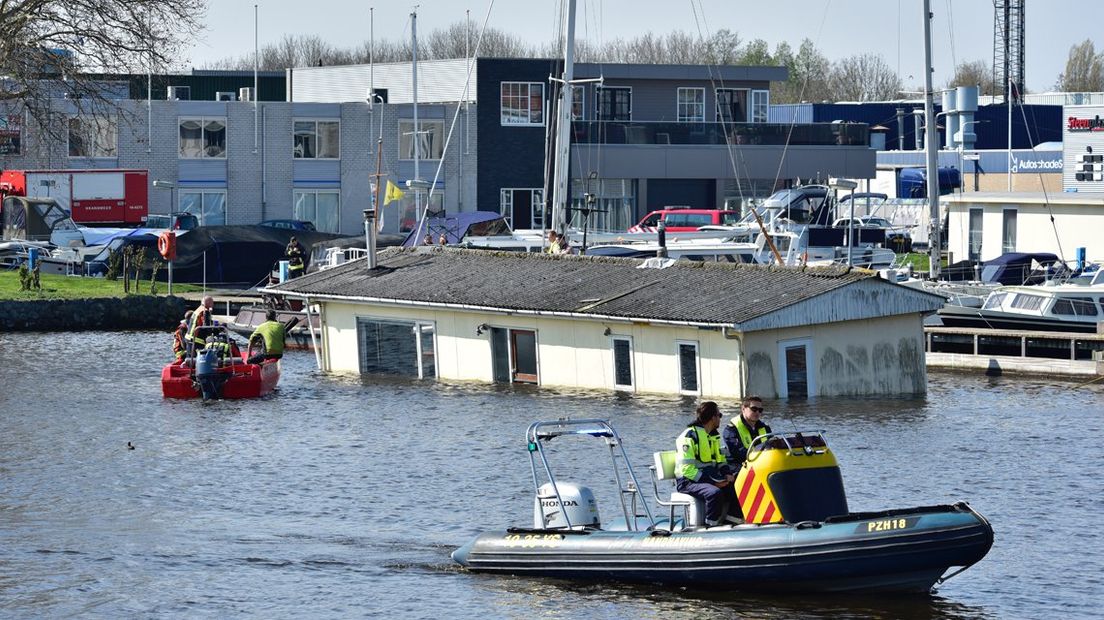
[(1074, 305)]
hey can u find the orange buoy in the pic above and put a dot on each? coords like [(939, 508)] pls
[(166, 245)]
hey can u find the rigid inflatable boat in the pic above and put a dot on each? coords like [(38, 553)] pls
[(211, 374), (798, 534)]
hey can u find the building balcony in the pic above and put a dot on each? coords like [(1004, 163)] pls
[(768, 134)]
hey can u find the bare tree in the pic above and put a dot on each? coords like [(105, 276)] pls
[(53, 48), (863, 77), (974, 73), (1084, 70)]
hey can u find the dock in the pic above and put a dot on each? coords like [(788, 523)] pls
[(1000, 350)]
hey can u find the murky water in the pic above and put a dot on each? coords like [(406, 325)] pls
[(337, 498)]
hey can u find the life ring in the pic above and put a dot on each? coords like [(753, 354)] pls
[(166, 245)]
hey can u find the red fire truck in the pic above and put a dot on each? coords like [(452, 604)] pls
[(110, 197)]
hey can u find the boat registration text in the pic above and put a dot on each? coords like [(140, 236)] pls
[(887, 525)]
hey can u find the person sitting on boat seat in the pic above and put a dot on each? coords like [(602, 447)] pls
[(742, 429), (201, 317), (180, 337), (701, 469), (554, 244), (271, 334), (220, 345)]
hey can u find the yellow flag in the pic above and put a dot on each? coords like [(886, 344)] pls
[(393, 194)]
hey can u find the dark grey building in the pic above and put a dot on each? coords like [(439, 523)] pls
[(643, 137)]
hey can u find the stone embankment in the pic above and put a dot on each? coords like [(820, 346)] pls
[(101, 313)]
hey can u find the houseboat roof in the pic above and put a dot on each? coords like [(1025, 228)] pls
[(744, 297)]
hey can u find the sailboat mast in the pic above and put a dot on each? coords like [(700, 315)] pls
[(415, 137), (563, 125), (931, 145)]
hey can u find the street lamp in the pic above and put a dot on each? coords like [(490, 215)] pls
[(848, 184)]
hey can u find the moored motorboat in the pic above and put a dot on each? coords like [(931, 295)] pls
[(209, 374), (798, 534)]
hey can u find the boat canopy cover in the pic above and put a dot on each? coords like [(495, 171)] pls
[(456, 227), (1016, 267)]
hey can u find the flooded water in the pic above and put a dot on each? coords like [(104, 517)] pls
[(338, 498)]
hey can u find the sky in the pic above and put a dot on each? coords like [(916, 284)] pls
[(962, 30)]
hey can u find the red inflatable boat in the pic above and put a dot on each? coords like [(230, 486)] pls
[(210, 376)]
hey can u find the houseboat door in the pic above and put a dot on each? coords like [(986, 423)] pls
[(514, 355), (796, 361)]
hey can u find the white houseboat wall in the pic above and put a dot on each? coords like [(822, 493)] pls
[(824, 331)]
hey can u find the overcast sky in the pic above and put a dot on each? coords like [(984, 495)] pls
[(962, 30)]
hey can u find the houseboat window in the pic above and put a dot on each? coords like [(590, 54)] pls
[(1027, 302), (514, 355), (403, 348), (688, 368), (622, 362), (796, 362), (1075, 306), (995, 300)]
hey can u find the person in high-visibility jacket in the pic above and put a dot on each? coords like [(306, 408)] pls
[(180, 336), (271, 334), (201, 317), (742, 430), (701, 469)]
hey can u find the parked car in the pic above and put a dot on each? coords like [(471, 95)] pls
[(686, 220), (172, 221), (290, 224), (897, 238)]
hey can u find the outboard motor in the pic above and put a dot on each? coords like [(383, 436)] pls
[(209, 381), (578, 504), (790, 478)]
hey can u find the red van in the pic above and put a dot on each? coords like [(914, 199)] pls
[(686, 220)]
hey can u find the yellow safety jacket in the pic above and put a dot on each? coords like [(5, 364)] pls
[(697, 449), (273, 334), (200, 318)]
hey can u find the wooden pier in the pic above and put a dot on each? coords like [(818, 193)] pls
[(1002, 350)]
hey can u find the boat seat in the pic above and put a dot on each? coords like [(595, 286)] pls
[(693, 509)]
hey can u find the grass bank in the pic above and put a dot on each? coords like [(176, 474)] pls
[(70, 287)]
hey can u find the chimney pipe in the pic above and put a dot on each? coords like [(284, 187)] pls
[(370, 236), (661, 232)]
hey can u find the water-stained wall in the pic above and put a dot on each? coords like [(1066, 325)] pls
[(882, 356)]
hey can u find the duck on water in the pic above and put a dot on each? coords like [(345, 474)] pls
[(807, 540)]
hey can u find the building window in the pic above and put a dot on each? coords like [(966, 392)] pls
[(688, 367), (522, 103), (691, 105), (613, 206), (403, 348), (316, 139), (93, 136), (578, 102), (514, 355), (1008, 231), (11, 134), (202, 138), (622, 363), (207, 205), (732, 105), (321, 207), (974, 233), (431, 139), (760, 106), (522, 207), (614, 103)]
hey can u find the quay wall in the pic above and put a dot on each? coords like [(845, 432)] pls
[(101, 313)]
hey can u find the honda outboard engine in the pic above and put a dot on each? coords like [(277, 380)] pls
[(578, 504), (209, 380)]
